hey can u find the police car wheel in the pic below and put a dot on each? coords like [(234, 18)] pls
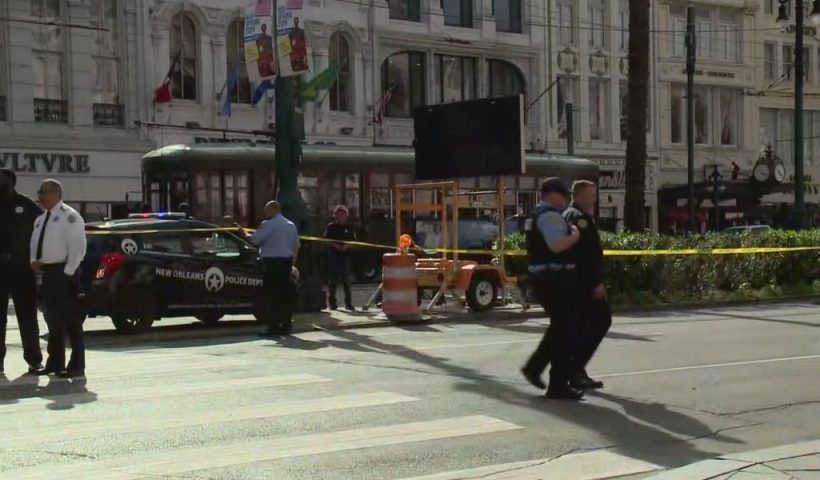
[(210, 319), (482, 292)]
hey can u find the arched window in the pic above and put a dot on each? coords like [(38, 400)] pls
[(505, 79), (403, 74), (339, 53), (241, 91), (106, 96), (184, 45)]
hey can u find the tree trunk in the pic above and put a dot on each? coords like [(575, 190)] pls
[(637, 115)]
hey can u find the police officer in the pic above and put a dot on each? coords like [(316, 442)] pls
[(17, 215), (596, 316), (278, 242), (338, 261), (57, 249), (550, 240)]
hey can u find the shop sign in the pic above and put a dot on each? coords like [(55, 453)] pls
[(612, 180), (41, 162)]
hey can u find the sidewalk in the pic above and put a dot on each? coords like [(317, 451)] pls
[(796, 461)]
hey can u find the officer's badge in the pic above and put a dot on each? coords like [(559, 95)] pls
[(72, 218), (18, 209), (528, 225), (582, 223)]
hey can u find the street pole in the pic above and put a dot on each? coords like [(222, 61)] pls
[(570, 129), (288, 148), (799, 186), (690, 112)]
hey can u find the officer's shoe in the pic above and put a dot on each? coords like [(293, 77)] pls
[(565, 393), (72, 374), (350, 307), (533, 378), (50, 371), (583, 382), (33, 369)]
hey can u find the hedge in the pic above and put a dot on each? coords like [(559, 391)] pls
[(678, 279)]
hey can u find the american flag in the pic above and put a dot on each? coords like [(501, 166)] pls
[(378, 117)]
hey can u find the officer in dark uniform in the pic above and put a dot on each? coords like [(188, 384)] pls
[(550, 240), (338, 257), (17, 215), (596, 316)]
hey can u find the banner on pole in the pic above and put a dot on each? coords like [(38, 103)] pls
[(258, 37), (291, 41)]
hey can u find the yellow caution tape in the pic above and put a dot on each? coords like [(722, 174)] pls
[(464, 251)]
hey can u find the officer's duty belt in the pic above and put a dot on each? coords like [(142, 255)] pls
[(53, 266), (553, 267)]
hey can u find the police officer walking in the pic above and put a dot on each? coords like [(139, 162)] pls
[(338, 261), (278, 242), (57, 249), (17, 215), (550, 240), (596, 315)]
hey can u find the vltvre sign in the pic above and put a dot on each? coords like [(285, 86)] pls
[(43, 162)]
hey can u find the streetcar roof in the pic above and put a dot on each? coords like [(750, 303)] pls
[(212, 155)]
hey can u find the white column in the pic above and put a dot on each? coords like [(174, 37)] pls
[(206, 74), (220, 75), (19, 100), (80, 71), (359, 71)]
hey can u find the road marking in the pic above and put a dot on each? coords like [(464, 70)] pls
[(179, 461), (711, 365), (152, 392), (595, 465), (117, 426)]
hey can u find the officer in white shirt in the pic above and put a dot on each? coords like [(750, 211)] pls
[(57, 248)]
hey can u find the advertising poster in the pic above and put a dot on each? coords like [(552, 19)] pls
[(259, 53), (291, 41)]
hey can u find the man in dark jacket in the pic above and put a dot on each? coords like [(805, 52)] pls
[(17, 280), (596, 317), (338, 261)]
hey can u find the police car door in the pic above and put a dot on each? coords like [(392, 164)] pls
[(230, 278)]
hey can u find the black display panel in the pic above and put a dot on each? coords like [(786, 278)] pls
[(470, 139)]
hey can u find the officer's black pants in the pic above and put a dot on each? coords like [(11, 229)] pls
[(593, 327), (18, 282), (339, 270), (557, 293), (63, 314), (280, 292)]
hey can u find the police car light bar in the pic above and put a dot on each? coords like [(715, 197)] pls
[(163, 215)]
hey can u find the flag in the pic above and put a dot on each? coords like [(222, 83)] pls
[(233, 77), (309, 91), (163, 93), (378, 116), (260, 90)]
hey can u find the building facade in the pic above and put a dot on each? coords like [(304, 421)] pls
[(66, 94)]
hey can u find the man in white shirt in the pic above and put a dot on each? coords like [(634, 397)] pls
[(57, 248)]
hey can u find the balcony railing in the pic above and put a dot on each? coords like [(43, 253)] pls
[(50, 111), (108, 115), (2, 108)]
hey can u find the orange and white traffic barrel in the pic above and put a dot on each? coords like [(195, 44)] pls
[(400, 287)]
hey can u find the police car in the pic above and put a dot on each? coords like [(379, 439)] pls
[(149, 266)]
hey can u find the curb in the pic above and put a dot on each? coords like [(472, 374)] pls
[(737, 462)]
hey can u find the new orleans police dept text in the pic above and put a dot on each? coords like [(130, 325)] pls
[(200, 276)]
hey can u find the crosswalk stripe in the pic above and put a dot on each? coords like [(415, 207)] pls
[(600, 464), (170, 462), (98, 427), (117, 393)]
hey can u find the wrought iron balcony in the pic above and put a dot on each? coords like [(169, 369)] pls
[(50, 111), (109, 115)]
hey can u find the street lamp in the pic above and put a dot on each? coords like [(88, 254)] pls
[(799, 31)]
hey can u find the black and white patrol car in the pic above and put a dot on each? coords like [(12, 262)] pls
[(141, 269)]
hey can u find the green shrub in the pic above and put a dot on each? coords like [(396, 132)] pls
[(650, 279)]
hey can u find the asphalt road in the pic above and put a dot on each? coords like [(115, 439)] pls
[(398, 403)]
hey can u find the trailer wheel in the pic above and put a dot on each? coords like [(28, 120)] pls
[(482, 292)]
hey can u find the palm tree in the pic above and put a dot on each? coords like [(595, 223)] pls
[(637, 115)]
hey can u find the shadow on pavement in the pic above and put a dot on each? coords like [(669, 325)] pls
[(520, 327), (631, 438), (62, 394)]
